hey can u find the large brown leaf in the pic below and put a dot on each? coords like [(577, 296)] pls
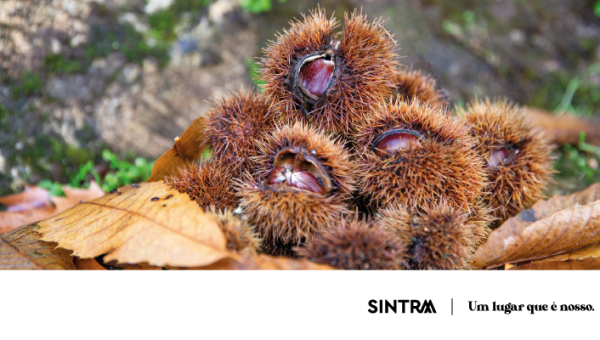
[(525, 238), (574, 260), (586, 264), (147, 223), (545, 208), (591, 251), (512, 228), (22, 248), (186, 150)]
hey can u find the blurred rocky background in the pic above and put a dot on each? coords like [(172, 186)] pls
[(79, 77)]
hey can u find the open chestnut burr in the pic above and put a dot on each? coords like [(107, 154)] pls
[(394, 140), (414, 154), (517, 156), (313, 73), (301, 187), (296, 168)]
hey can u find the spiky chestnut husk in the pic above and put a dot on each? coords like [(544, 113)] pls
[(285, 217), (208, 183), (414, 154), (356, 244), (517, 155), (480, 219), (412, 84), (310, 75), (312, 145), (234, 125), (437, 236), (276, 247), (302, 182), (241, 237)]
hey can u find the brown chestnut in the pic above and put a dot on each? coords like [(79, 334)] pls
[(396, 140), (296, 178), (297, 168), (315, 76), (501, 156)]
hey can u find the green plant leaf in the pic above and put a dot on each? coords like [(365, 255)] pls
[(256, 6), (54, 188)]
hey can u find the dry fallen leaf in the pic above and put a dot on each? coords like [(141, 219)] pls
[(591, 251), (525, 238), (565, 128), (33, 204), (22, 248), (573, 260), (149, 222), (186, 150), (266, 262), (586, 264), (541, 210), (12, 220), (556, 203), (140, 267), (32, 197), (87, 264)]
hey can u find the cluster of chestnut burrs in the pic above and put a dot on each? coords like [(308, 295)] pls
[(349, 159)]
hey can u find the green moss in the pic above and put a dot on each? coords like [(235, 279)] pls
[(44, 157), (588, 44), (162, 25), (57, 63), (105, 39), (180, 7), (163, 22), (4, 119), (30, 84), (124, 38), (114, 36)]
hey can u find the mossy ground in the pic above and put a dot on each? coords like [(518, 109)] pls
[(29, 153)]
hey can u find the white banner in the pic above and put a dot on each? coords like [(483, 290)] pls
[(299, 305)]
